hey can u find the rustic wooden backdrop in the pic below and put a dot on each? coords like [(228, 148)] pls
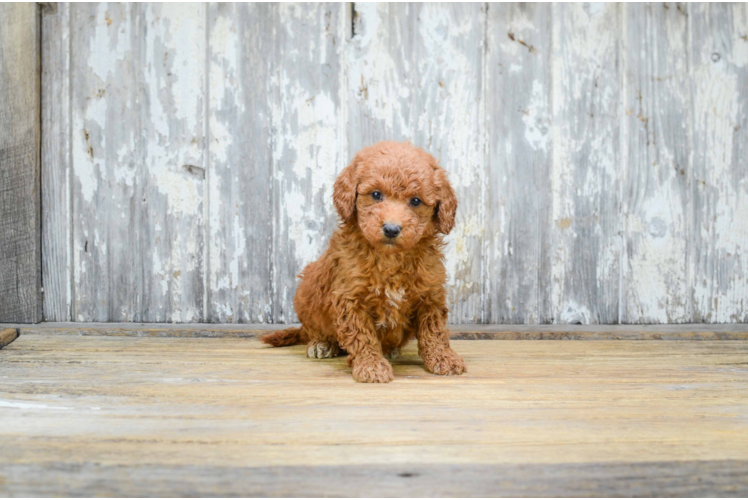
[(20, 215), (600, 153)]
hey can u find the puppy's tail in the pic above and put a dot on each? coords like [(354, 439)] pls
[(289, 336)]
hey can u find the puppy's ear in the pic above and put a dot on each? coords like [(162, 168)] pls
[(344, 191), (446, 206)]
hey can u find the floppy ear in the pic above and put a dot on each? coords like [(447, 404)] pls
[(446, 206), (344, 191)]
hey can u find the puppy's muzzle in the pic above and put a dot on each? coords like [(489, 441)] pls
[(391, 230)]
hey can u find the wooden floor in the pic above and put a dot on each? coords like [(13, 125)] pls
[(169, 416)]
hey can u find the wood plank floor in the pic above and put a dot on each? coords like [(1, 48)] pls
[(151, 416)]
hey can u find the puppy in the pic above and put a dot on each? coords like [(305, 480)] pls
[(381, 281)]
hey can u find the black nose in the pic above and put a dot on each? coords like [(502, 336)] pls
[(391, 230)]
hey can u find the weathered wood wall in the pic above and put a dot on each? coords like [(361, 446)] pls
[(600, 153), (20, 197)]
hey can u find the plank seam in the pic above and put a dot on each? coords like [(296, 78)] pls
[(275, 70), (71, 204), (206, 168), (546, 315), (657, 332), (38, 168), (691, 210), (549, 311), (622, 159), (485, 286)]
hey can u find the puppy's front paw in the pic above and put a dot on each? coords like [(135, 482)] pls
[(372, 370), (445, 362)]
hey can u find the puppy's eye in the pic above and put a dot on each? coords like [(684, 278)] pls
[(414, 202), (376, 195)]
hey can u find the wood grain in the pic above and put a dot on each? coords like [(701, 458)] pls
[(240, 165), (137, 138), (381, 74), (586, 172), (697, 478), (172, 139), (656, 178), (518, 99), (108, 169), (554, 416), (449, 122), (309, 132), (719, 67), (56, 164), (20, 196)]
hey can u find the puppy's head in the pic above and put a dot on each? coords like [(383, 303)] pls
[(397, 194)]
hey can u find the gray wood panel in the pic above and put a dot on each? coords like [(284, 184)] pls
[(719, 85), (449, 121), (308, 143), (172, 139), (137, 141), (106, 146), (20, 197), (586, 172), (240, 166), (56, 164), (276, 76), (381, 73), (189, 152), (518, 100), (656, 174)]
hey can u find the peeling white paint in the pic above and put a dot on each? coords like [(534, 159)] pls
[(537, 129), (374, 69), (573, 313), (585, 172), (113, 34), (720, 263)]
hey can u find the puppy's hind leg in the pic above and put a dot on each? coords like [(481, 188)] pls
[(322, 349), (321, 346)]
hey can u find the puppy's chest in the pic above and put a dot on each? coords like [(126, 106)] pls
[(391, 303)]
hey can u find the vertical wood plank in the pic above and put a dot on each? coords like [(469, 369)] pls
[(172, 110), (381, 73), (20, 199), (240, 170), (308, 134), (449, 122), (137, 158), (719, 51), (415, 71), (520, 145), (55, 163), (655, 164), (107, 164), (586, 163)]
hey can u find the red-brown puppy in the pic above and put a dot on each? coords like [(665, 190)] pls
[(381, 281)]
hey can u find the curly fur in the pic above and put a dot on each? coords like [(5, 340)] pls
[(369, 294)]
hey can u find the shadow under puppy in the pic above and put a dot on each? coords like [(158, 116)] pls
[(381, 281)]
